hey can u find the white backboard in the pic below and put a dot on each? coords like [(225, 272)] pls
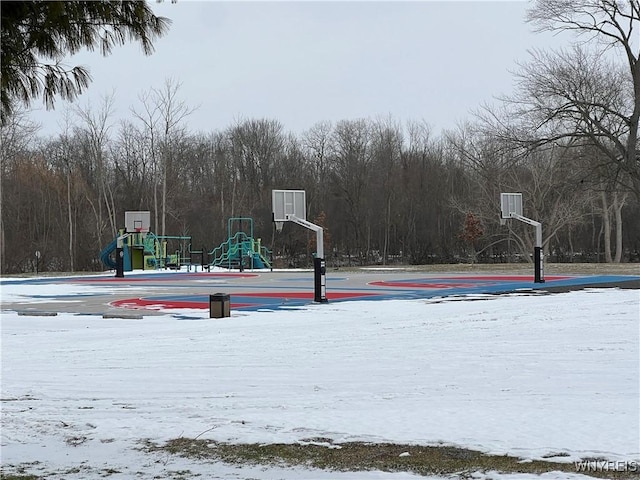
[(510, 203), (285, 203), (137, 221)]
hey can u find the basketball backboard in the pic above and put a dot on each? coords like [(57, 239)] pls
[(137, 222), (285, 203), (510, 203)]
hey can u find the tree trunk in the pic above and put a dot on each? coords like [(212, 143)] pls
[(164, 198), (110, 205), (70, 219), (387, 228), (606, 226), (632, 138), (2, 257), (155, 206), (618, 205)]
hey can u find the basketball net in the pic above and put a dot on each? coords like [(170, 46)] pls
[(141, 232), (279, 226)]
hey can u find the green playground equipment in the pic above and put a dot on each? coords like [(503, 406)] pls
[(145, 252), (240, 250), (159, 255), (150, 251)]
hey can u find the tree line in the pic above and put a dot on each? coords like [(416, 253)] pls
[(385, 190)]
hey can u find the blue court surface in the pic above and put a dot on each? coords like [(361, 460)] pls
[(166, 291)]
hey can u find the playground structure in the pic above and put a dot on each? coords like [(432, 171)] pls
[(241, 250), (136, 247), (144, 250)]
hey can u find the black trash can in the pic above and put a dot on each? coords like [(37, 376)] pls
[(219, 305)]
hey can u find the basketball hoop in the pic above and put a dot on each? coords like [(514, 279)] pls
[(137, 222), (279, 226)]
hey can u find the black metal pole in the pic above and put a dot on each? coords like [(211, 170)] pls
[(319, 280), (119, 262), (538, 265)]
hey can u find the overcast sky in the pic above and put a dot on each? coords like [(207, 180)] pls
[(304, 62)]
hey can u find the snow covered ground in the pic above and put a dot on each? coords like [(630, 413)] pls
[(525, 375)]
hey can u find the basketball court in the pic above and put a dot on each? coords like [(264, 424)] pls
[(162, 292)]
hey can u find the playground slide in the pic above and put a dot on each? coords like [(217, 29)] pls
[(105, 255), (260, 262)]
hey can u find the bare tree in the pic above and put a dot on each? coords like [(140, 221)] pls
[(575, 94), (612, 200), (256, 146), (487, 164), (614, 25), (172, 113), (424, 184), (316, 144), (549, 178), (163, 116), (350, 172), (15, 136), (133, 166), (150, 118), (554, 194), (387, 144), (63, 154), (96, 127)]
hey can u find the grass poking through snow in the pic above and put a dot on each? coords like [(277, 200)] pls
[(321, 453)]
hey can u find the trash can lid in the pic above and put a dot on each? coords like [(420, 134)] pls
[(219, 296)]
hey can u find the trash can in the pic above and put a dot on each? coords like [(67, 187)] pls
[(219, 305)]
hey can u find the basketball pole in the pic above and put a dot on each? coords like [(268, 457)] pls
[(538, 256), (539, 266), (319, 264), (511, 206), (120, 255), (285, 205)]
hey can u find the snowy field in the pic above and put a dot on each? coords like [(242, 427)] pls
[(532, 376)]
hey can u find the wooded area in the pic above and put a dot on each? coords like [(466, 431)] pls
[(386, 190)]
